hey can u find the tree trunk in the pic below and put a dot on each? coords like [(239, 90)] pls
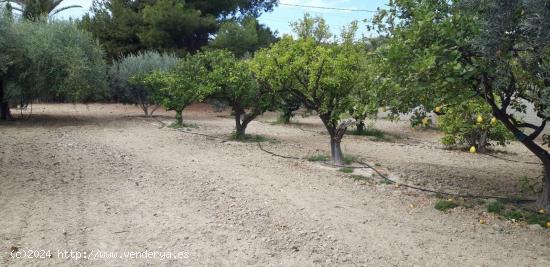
[(5, 114), (145, 112), (543, 201), (336, 151), (482, 142), (240, 126), (179, 117), (287, 114), (360, 127)]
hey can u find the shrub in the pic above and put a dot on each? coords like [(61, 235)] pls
[(495, 207), (127, 74), (444, 205), (346, 170)]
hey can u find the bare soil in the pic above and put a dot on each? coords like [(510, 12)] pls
[(103, 178)]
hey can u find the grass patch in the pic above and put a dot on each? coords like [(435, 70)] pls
[(349, 159), (513, 215), (540, 219), (498, 207), (346, 170), (495, 207), (248, 138), (371, 132), (317, 158), (445, 205)]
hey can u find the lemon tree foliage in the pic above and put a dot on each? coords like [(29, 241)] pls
[(472, 124), (126, 77), (234, 83), (181, 86), (324, 75), (442, 53)]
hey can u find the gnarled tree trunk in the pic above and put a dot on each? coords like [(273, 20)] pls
[(179, 117), (241, 122), (360, 127), (336, 135), (482, 141)]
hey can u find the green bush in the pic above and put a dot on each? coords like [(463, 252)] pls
[(126, 77), (346, 170), (472, 124), (444, 205), (495, 207)]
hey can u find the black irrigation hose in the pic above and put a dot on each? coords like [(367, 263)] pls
[(512, 160), (277, 155)]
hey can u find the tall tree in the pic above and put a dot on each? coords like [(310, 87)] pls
[(34, 9), (242, 37), (125, 26), (448, 52)]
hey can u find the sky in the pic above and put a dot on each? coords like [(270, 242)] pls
[(285, 13)]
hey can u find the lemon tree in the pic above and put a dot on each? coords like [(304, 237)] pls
[(451, 52), (326, 74), (472, 124)]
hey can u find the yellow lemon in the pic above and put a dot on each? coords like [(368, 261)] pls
[(493, 120), (437, 109), (482, 221), (548, 225), (541, 211), (473, 149), (425, 121), (479, 119)]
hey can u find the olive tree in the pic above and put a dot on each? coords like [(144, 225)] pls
[(325, 74), (126, 76), (11, 55), (449, 52), (49, 61)]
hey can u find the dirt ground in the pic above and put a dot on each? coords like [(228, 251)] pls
[(102, 179)]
